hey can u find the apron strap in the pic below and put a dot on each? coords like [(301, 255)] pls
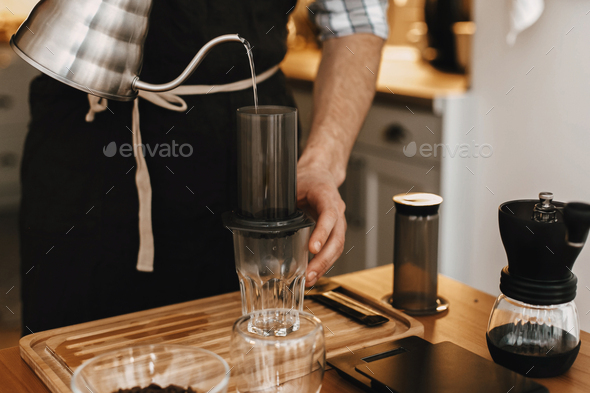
[(145, 257), (97, 104), (170, 100)]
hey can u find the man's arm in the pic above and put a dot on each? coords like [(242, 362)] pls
[(343, 92)]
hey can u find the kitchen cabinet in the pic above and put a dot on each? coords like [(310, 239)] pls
[(379, 169)]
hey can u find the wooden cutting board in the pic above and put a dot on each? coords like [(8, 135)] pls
[(55, 354)]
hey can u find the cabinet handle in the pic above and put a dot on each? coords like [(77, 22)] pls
[(395, 133)]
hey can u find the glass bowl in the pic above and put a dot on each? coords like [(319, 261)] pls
[(161, 364)]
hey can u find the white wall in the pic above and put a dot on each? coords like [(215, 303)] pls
[(540, 131)]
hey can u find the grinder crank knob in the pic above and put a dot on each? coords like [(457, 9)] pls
[(545, 211), (577, 220)]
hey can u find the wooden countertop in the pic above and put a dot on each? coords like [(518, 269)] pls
[(464, 324), (402, 73)]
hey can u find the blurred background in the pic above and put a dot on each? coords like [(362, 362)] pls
[(448, 77), (15, 76)]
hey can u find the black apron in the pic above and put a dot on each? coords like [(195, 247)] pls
[(79, 210)]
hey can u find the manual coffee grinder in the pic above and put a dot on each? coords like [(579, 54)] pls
[(534, 325), (270, 234)]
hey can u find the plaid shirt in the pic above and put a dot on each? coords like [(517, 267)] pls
[(338, 18)]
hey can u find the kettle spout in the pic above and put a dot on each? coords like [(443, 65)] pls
[(577, 220), (141, 85)]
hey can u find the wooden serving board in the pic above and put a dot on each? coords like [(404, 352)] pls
[(206, 323)]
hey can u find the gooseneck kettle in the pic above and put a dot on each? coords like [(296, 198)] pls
[(534, 325), (96, 45)]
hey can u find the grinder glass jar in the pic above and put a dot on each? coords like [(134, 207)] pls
[(535, 340)]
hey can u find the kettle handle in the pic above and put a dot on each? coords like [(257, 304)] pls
[(577, 220), (141, 85)]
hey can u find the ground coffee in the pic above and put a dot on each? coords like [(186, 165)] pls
[(154, 388)]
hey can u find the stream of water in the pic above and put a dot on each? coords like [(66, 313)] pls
[(253, 71)]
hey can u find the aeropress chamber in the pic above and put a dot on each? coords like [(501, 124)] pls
[(270, 234)]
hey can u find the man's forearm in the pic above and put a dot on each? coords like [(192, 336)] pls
[(343, 92)]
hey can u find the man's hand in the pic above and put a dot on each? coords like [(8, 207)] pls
[(343, 91), (318, 194)]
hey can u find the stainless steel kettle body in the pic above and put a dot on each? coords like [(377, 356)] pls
[(91, 45), (95, 45)]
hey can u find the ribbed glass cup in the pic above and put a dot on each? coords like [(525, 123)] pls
[(271, 270)]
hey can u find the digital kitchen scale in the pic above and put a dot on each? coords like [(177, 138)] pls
[(413, 365)]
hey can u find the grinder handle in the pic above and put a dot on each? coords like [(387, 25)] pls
[(577, 220)]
